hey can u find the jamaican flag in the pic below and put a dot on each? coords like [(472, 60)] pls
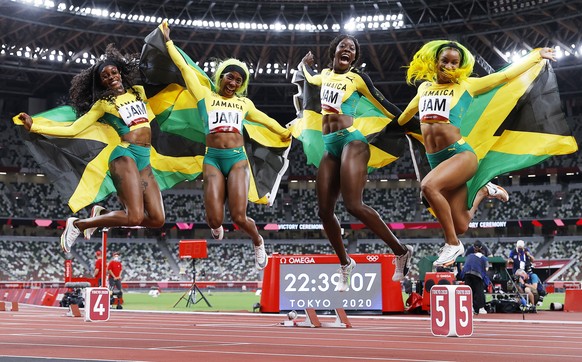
[(388, 140), (78, 166), (176, 107), (516, 125)]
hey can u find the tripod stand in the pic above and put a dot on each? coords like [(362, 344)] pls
[(191, 299)]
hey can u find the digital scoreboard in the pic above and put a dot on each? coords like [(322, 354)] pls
[(294, 282)]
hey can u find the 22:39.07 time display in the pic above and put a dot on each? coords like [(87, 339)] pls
[(304, 282), (315, 286)]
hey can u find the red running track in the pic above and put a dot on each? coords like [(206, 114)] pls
[(145, 336)]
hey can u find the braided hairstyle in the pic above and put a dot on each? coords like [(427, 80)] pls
[(86, 86)]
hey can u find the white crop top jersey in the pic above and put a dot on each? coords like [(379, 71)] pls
[(224, 114)]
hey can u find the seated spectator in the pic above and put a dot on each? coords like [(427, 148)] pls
[(474, 274), (528, 284)]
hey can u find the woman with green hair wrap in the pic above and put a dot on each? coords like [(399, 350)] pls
[(445, 67), (225, 167)]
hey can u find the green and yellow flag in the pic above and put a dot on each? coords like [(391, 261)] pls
[(388, 140), (78, 166), (516, 125)]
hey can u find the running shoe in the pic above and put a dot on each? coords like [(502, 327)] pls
[(95, 211), (70, 235), (448, 254), (482, 311), (218, 234), (261, 257), (345, 271), (402, 264), (497, 192)]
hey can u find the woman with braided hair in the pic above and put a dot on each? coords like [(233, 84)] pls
[(106, 92), (442, 102)]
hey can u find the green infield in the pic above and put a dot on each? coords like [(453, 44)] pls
[(171, 301), (229, 301)]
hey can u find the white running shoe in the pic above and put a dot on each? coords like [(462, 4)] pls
[(261, 257), (70, 235), (95, 211), (497, 192), (345, 271), (218, 234), (402, 264), (482, 311), (448, 254)]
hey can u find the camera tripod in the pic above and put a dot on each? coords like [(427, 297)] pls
[(190, 294)]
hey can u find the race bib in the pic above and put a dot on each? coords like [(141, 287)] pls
[(225, 121), (133, 113), (434, 107), (331, 99)]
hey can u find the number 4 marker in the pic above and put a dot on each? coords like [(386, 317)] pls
[(96, 304)]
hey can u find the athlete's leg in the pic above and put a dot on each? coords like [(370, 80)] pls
[(155, 216), (354, 173), (214, 195), (445, 189), (130, 191), (238, 194), (328, 188)]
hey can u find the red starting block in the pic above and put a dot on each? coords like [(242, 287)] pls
[(14, 307), (74, 310)]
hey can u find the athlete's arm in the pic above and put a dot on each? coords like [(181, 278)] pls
[(192, 83), (488, 82), (96, 112), (410, 110), (310, 76), (255, 115), (366, 87)]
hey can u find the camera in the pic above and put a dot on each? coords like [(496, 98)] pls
[(74, 296)]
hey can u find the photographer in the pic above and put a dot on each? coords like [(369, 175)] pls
[(73, 296), (520, 257), (528, 284)]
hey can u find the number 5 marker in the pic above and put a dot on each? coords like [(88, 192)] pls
[(451, 310)]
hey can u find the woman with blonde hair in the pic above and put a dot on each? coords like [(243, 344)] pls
[(445, 67)]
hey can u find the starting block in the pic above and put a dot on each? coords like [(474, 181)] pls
[(14, 307), (312, 320), (74, 311)]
